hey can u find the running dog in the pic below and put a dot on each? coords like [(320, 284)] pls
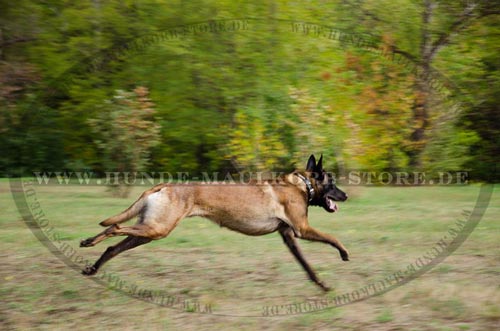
[(253, 208)]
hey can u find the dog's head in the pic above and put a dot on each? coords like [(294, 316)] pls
[(326, 192)]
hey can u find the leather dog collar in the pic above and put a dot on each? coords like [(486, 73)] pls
[(310, 189)]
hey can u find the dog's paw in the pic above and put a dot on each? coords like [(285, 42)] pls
[(324, 287), (87, 242), (89, 271), (344, 255)]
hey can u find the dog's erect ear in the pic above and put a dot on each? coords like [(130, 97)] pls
[(319, 166), (311, 164)]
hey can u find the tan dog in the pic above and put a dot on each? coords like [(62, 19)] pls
[(253, 209)]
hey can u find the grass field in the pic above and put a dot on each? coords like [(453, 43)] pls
[(385, 229)]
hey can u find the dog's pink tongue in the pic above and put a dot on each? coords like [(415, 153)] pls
[(335, 207), (332, 205)]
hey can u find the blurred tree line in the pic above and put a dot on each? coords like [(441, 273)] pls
[(73, 96)]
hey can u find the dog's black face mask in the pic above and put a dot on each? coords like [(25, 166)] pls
[(326, 191)]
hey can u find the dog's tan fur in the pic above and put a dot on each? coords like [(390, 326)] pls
[(253, 209)]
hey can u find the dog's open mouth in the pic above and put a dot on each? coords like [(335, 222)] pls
[(331, 206)]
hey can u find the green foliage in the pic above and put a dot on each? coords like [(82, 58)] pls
[(380, 120), (476, 70), (450, 150), (313, 124), (254, 143), (264, 97), (31, 138), (125, 131)]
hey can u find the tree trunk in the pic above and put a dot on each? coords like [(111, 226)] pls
[(422, 89)]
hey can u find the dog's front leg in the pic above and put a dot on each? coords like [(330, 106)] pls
[(290, 241), (309, 233)]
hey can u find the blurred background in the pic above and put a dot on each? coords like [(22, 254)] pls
[(223, 86), (421, 94)]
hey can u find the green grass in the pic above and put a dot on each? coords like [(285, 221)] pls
[(384, 229), (385, 316)]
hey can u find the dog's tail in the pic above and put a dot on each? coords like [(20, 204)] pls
[(127, 214)]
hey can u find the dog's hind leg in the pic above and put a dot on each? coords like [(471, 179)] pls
[(89, 242), (138, 230), (290, 241), (112, 251)]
